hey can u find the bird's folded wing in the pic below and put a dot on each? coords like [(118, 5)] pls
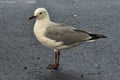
[(67, 35)]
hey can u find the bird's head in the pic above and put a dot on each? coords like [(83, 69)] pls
[(40, 13)]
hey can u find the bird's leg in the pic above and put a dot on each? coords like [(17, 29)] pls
[(58, 57), (56, 60)]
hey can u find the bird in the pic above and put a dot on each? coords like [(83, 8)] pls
[(58, 36)]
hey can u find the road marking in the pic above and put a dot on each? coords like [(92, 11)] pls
[(13, 2)]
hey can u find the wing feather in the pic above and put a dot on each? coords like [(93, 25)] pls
[(66, 34)]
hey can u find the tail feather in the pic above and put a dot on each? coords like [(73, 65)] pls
[(97, 36)]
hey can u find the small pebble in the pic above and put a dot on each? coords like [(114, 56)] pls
[(38, 58), (25, 67), (82, 76), (75, 16)]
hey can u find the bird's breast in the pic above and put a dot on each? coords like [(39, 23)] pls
[(40, 35)]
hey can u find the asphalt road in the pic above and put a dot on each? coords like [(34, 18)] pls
[(22, 57)]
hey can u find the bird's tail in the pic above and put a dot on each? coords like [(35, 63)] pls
[(97, 36)]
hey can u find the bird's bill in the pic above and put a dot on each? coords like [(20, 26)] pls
[(32, 17)]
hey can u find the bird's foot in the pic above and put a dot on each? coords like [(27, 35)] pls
[(52, 66)]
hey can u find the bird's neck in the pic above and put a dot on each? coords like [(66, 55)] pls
[(45, 20), (42, 23)]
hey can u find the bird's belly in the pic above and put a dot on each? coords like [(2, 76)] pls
[(50, 43)]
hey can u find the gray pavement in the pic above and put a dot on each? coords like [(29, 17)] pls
[(22, 57)]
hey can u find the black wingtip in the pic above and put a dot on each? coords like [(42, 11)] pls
[(97, 36), (104, 36)]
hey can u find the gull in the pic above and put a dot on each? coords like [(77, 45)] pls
[(58, 36)]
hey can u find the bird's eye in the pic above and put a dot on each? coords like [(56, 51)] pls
[(40, 12)]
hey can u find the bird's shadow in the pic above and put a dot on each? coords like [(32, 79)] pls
[(59, 75)]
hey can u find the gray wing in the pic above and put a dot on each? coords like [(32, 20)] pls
[(66, 34)]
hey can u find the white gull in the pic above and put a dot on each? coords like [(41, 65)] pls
[(58, 36)]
